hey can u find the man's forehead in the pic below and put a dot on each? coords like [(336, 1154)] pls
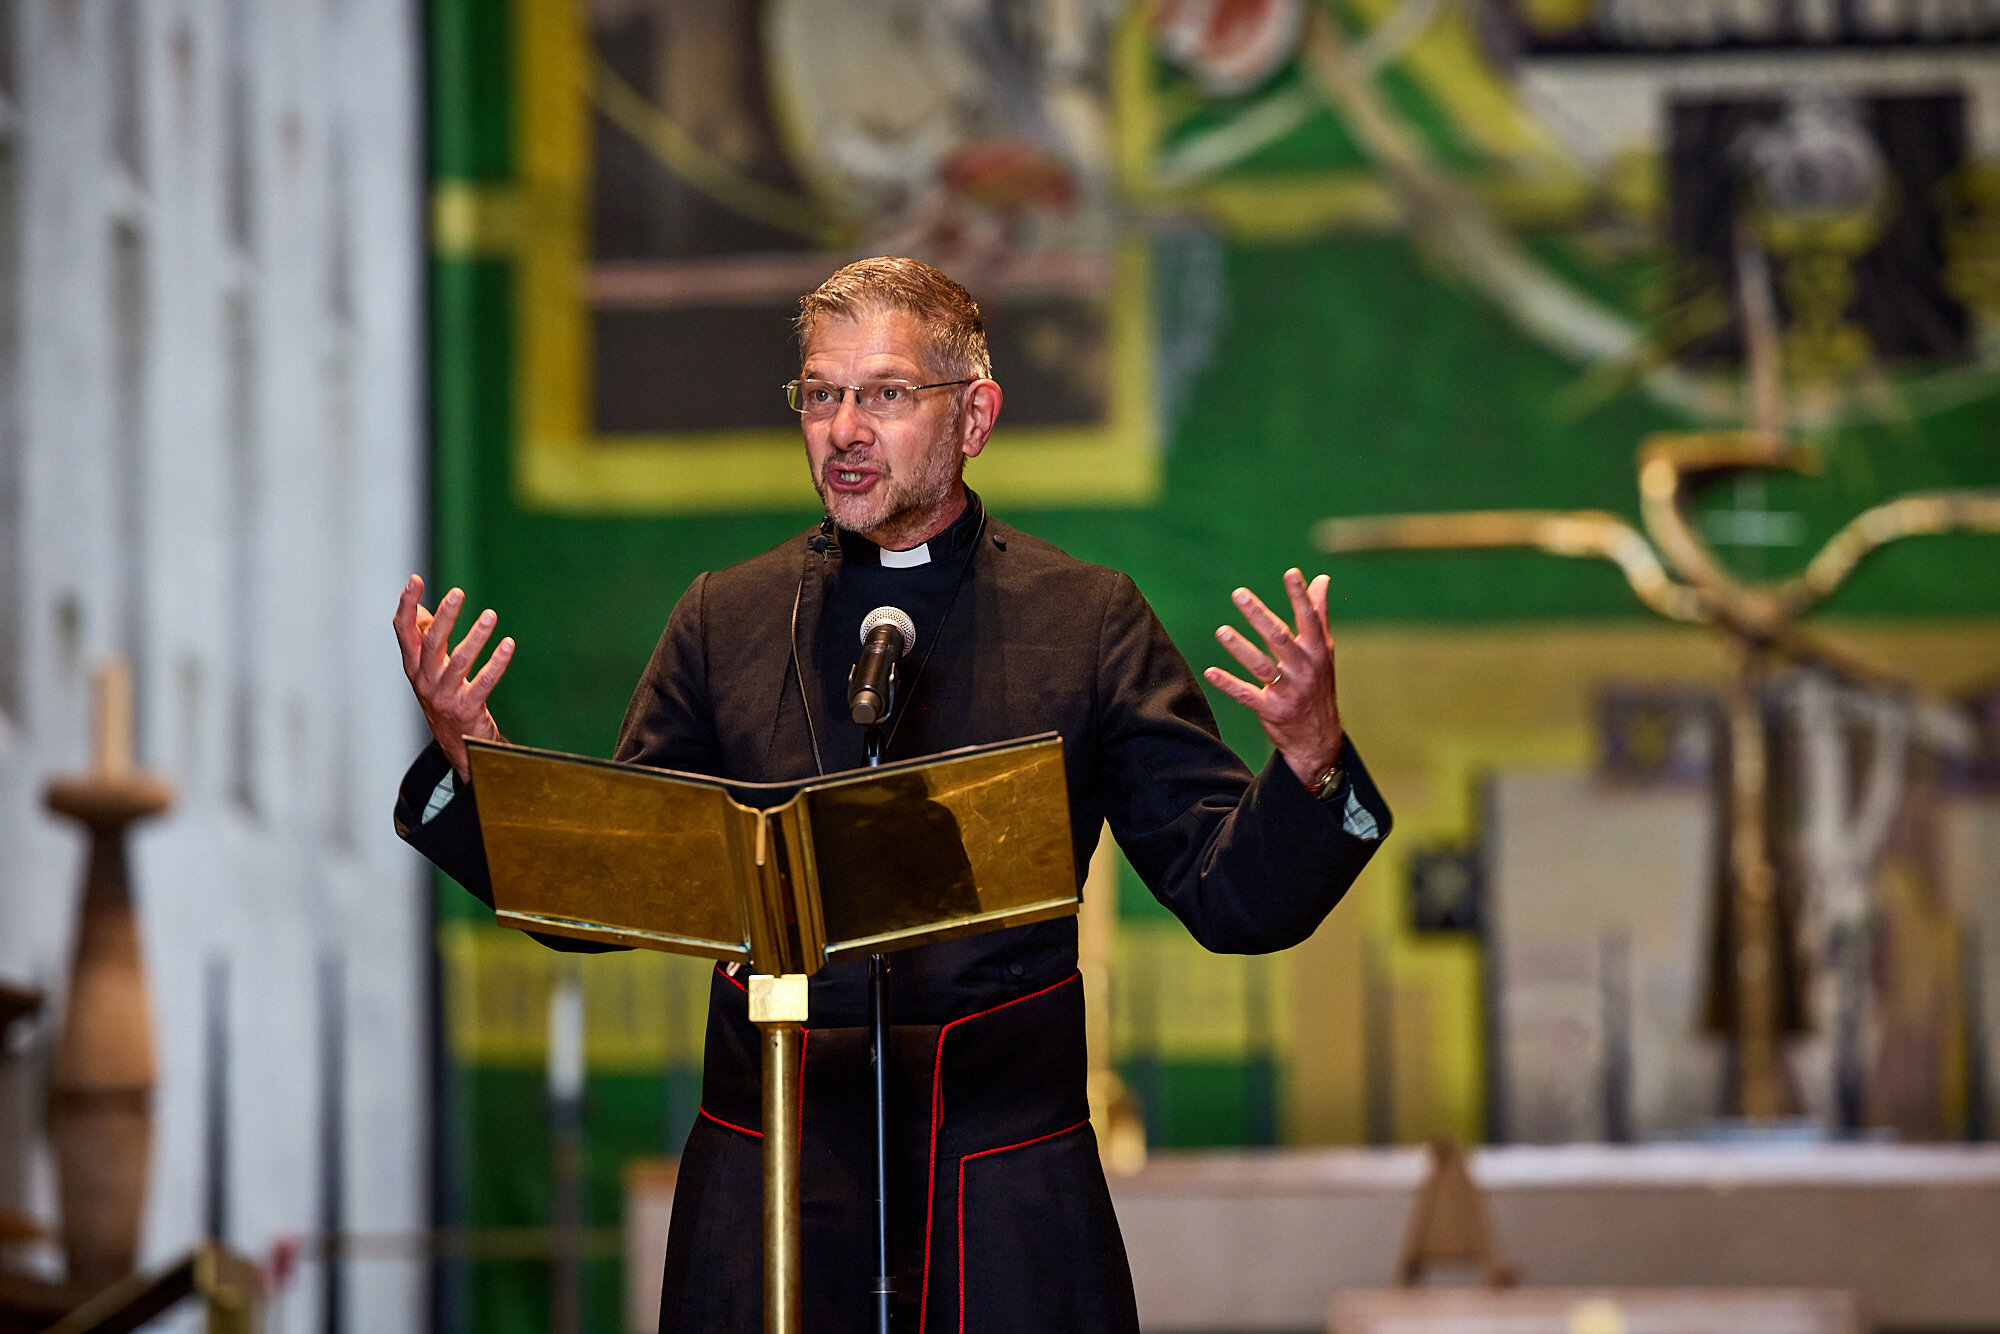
[(888, 335)]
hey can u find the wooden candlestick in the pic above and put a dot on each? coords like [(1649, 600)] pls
[(101, 1086)]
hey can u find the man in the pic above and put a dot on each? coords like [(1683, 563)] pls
[(1002, 1219)]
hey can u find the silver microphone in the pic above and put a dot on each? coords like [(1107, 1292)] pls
[(887, 633)]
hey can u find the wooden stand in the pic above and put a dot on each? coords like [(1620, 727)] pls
[(101, 1086), (1448, 1223)]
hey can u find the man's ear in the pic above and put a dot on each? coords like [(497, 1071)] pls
[(976, 419)]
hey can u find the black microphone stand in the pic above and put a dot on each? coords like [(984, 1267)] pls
[(878, 1069)]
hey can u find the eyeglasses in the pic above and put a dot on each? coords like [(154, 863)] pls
[(881, 399)]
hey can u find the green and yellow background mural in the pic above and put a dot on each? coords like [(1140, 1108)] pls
[(1249, 265)]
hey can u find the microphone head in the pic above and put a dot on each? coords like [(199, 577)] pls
[(891, 616)]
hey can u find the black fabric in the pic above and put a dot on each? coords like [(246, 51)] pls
[(858, 585), (996, 1088), (1035, 641)]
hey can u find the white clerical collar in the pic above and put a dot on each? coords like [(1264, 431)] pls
[(920, 554)]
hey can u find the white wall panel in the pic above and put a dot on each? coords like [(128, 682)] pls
[(233, 503)]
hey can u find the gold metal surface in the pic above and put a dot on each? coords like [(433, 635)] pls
[(785, 931), (1597, 533), (613, 852), (778, 1000), (952, 847), (879, 859), (1753, 904), (782, 1051), (1667, 462), (1921, 514), (230, 1287)]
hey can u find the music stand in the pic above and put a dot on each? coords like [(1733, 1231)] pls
[(773, 875)]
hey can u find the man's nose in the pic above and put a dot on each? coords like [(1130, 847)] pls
[(850, 425)]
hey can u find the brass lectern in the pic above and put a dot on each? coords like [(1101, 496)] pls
[(783, 877)]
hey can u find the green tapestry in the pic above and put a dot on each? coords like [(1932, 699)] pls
[(1244, 282)]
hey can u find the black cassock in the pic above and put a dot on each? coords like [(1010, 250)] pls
[(1002, 1221)]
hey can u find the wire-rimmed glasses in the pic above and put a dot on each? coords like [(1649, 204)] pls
[(816, 399)]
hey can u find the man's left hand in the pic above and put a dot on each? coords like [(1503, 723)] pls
[(1293, 692)]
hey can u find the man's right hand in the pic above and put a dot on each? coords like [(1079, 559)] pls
[(454, 706)]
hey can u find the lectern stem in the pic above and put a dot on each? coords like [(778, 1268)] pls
[(878, 1062), (781, 1178)]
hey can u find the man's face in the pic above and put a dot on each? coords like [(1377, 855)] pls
[(887, 479)]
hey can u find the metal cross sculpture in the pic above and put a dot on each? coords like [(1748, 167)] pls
[(1761, 621), (1812, 201)]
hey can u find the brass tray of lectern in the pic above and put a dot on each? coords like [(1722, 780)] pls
[(784, 876)]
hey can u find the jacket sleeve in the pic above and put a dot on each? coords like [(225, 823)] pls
[(670, 723), (1249, 864), (451, 837)]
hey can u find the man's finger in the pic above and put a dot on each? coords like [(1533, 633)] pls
[(407, 602), (1255, 661), (1322, 594), (409, 634), (1320, 591), (459, 665), (1265, 622), (489, 675), (438, 635), (1242, 692), (1310, 636)]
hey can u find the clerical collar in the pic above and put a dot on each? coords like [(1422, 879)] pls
[(955, 538)]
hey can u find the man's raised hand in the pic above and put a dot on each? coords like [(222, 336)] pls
[(1293, 695), (454, 706)]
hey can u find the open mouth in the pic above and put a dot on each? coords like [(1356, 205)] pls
[(849, 479)]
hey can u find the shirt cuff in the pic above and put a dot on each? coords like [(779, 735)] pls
[(442, 794), (1345, 796), (1354, 817)]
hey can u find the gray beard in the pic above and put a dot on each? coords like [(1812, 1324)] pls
[(899, 500)]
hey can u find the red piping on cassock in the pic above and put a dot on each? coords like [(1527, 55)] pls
[(961, 1203), (937, 1125)]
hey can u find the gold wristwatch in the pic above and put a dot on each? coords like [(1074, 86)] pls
[(1326, 780)]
